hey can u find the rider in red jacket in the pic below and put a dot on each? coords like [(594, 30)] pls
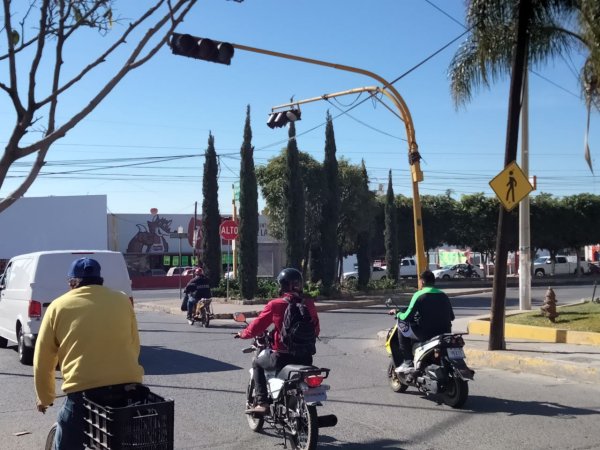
[(290, 284)]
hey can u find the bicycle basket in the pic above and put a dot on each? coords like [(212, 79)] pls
[(145, 425)]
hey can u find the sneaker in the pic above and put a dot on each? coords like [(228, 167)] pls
[(262, 408), (190, 322), (405, 367)]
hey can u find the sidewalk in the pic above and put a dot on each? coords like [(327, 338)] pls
[(580, 363)]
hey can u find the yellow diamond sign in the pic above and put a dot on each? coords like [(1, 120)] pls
[(511, 186)]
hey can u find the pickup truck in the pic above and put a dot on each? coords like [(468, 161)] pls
[(408, 268), (542, 266)]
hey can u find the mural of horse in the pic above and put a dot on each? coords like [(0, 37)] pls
[(151, 238)]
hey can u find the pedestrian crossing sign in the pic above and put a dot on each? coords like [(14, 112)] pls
[(511, 186)]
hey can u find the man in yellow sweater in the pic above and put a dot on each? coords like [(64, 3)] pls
[(91, 332)]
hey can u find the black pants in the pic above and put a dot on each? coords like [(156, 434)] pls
[(278, 361)]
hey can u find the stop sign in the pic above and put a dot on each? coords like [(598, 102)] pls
[(229, 230)]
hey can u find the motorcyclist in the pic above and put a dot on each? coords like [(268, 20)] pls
[(197, 289), (469, 269), (428, 314), (290, 288)]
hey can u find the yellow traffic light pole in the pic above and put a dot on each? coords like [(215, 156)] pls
[(389, 91)]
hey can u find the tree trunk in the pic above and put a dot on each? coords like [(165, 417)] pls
[(496, 341)]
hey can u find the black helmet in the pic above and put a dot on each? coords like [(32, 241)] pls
[(289, 280)]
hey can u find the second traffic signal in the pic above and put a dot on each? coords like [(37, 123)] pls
[(282, 118), (201, 48)]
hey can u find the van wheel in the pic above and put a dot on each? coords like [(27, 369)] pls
[(3, 342), (25, 353)]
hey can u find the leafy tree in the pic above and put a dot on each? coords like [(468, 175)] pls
[(406, 225), (476, 224), (548, 224), (40, 31), (391, 236), (272, 178), (248, 215), (294, 197), (363, 250), (356, 206), (439, 215), (331, 209), (211, 218)]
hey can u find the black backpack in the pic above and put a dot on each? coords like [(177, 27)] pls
[(298, 332)]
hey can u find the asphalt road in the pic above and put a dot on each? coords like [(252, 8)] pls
[(206, 373)]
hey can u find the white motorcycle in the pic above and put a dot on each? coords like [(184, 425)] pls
[(293, 396), (439, 366)]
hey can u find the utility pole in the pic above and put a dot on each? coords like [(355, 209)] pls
[(524, 216)]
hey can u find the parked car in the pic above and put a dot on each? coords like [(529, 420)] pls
[(175, 270), (377, 273), (31, 281), (542, 266), (454, 271)]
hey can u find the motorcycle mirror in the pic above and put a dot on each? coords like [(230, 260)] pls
[(239, 317)]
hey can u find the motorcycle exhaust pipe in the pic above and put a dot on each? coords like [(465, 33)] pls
[(327, 421)]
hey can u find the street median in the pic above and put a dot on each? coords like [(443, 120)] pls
[(544, 334)]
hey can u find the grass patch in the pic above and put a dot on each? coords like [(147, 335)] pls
[(582, 317)]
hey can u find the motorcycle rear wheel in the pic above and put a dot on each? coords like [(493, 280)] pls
[(395, 383), (307, 429), (254, 422), (456, 392)]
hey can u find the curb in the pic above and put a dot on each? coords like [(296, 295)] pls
[(514, 362), (504, 360), (555, 335)]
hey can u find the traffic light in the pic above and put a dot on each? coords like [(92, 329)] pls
[(201, 48), (282, 118)]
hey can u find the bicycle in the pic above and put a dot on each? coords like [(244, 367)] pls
[(134, 417)]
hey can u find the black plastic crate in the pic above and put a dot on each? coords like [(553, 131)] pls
[(146, 425)]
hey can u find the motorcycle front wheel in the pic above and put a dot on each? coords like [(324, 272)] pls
[(306, 425), (395, 383), (254, 422), (456, 392)]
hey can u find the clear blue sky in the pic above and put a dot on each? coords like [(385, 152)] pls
[(167, 107)]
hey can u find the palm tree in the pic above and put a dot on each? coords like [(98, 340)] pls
[(556, 28), (505, 37)]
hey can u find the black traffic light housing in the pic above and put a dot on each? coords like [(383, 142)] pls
[(282, 118), (201, 48)]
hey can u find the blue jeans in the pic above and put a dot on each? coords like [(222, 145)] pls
[(71, 424), (191, 305)]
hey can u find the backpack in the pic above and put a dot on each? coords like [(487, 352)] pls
[(297, 331)]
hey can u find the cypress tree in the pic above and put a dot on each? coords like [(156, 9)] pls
[(391, 236), (363, 253), (331, 209), (211, 218), (248, 252), (294, 197)]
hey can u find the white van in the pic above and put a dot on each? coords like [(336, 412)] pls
[(31, 281)]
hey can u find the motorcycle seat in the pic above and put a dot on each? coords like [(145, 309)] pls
[(293, 371)]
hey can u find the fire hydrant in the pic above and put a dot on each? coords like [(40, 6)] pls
[(549, 308)]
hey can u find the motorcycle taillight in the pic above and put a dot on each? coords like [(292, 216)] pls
[(35, 309), (313, 381)]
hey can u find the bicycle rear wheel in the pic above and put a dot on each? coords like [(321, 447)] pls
[(50, 438)]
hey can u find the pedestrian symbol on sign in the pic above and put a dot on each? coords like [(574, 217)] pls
[(511, 186)]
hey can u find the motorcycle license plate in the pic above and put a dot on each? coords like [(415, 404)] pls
[(455, 353)]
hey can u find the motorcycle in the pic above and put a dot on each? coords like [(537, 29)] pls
[(464, 273), (439, 366), (203, 312), (294, 394)]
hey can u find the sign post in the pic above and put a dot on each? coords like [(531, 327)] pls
[(229, 231), (511, 186)]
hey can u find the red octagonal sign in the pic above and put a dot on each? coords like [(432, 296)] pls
[(229, 230)]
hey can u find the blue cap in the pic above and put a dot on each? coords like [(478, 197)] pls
[(84, 268)]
